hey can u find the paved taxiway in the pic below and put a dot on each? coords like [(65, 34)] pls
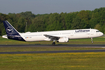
[(59, 45)]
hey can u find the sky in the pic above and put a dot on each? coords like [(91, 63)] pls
[(48, 6)]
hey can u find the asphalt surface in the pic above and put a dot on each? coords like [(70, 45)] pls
[(58, 45)]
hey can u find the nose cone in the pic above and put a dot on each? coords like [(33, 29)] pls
[(101, 34)]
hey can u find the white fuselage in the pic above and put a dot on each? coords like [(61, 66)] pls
[(70, 34)]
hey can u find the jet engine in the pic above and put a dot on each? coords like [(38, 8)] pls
[(63, 40)]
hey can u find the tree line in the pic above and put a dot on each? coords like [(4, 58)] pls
[(27, 21)]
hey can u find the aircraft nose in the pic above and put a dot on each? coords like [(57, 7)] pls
[(101, 34)]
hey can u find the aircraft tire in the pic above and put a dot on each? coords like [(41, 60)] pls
[(53, 43)]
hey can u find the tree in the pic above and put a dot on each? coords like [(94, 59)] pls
[(37, 25), (21, 24)]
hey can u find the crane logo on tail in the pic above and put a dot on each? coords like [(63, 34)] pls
[(9, 30)]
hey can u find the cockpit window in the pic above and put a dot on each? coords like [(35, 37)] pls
[(97, 31)]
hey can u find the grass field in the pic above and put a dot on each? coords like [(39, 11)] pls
[(53, 61), (32, 48), (73, 41)]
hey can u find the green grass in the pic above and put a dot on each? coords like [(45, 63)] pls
[(53, 61), (73, 41), (32, 48)]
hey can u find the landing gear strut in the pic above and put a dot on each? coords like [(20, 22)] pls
[(92, 40), (53, 43)]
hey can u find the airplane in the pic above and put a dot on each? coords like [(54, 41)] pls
[(55, 36)]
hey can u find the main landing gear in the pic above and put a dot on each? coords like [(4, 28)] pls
[(53, 43)]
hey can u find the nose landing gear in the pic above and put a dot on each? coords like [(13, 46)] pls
[(92, 40)]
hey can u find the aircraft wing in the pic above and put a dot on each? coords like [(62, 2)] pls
[(51, 37)]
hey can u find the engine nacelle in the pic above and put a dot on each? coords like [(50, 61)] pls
[(63, 40)]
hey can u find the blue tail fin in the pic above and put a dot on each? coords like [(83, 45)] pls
[(12, 33)]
